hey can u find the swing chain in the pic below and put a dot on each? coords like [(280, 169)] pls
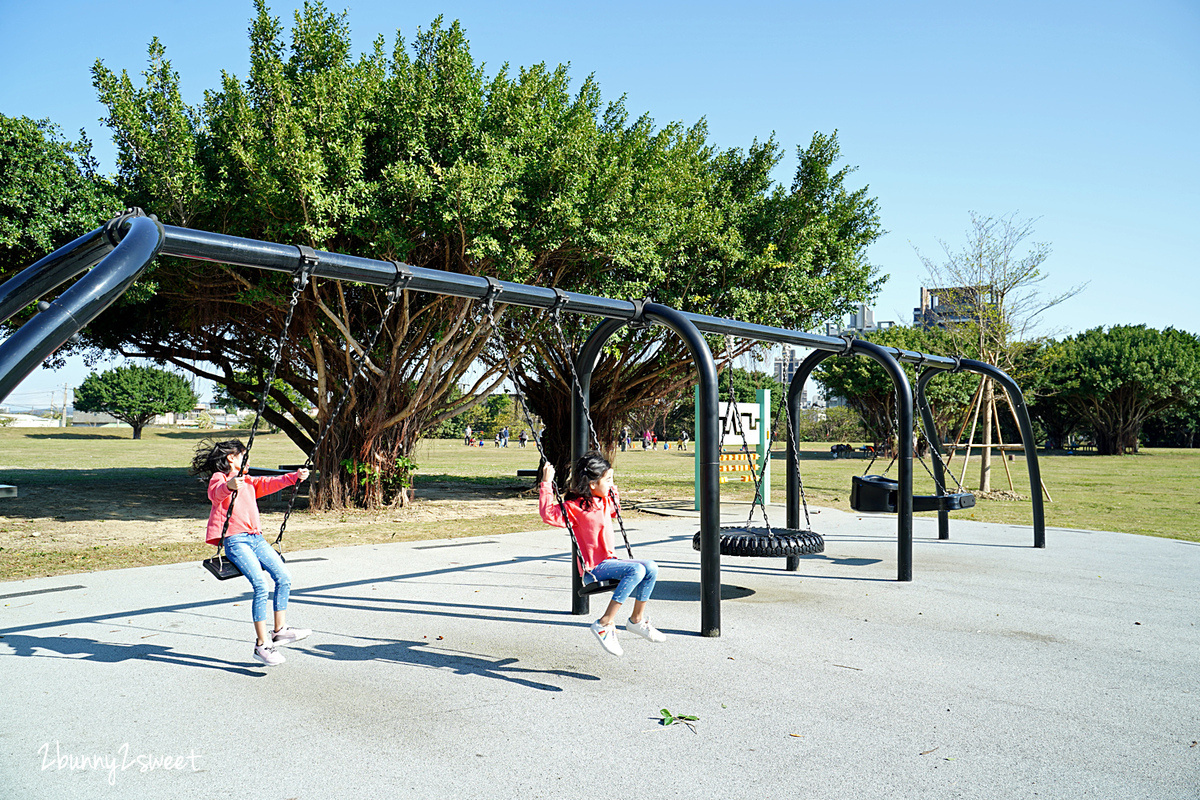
[(307, 262), (740, 431), (359, 360), (577, 387)]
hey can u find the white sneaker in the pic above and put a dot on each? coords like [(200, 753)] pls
[(266, 654), (645, 630), (607, 634), (287, 635)]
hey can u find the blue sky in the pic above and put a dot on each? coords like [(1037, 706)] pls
[(1083, 115)]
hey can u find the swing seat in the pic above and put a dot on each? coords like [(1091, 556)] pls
[(597, 587), (951, 502), (877, 493), (739, 540), (873, 493)]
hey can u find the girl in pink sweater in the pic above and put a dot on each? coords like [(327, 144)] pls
[(222, 464), (591, 503)]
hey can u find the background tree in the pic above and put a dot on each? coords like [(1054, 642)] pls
[(869, 391), (414, 154), (1118, 378), (994, 282), (50, 193), (135, 395)]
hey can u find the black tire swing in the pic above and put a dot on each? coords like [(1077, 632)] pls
[(763, 542), (220, 566), (878, 493), (494, 290)]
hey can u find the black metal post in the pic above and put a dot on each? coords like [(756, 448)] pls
[(939, 473), (904, 459), (707, 444)]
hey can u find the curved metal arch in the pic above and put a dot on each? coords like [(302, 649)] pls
[(904, 412), (37, 339), (707, 444), (1024, 424)]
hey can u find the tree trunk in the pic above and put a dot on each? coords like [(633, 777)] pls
[(137, 431), (985, 456)]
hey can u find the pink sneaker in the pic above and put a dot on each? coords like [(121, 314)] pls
[(266, 654), (288, 635)]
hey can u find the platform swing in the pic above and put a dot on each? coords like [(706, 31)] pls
[(878, 492), (749, 540), (220, 566), (554, 312)]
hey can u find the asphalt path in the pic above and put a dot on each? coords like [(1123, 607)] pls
[(453, 668)]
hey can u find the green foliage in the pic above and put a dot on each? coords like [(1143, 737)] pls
[(840, 424), (390, 483), (870, 392), (667, 718), (412, 152), (49, 195), (135, 394), (1116, 379)]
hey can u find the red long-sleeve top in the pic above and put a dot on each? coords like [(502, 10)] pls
[(593, 527), (245, 508)]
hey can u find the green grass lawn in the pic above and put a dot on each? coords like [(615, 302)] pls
[(1149, 493), (83, 474)]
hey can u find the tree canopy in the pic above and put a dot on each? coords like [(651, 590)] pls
[(135, 394), (413, 152), (1116, 379)]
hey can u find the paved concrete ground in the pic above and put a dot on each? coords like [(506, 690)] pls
[(451, 669)]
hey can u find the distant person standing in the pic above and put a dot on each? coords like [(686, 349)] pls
[(683, 440), (504, 436), (467, 436), (524, 437)]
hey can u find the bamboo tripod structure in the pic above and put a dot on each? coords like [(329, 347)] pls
[(977, 401)]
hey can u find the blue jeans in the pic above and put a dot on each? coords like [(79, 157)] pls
[(250, 553), (636, 577)]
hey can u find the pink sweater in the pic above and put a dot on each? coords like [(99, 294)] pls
[(245, 508), (593, 529)]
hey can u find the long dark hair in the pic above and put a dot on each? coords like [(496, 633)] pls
[(590, 467), (213, 457)]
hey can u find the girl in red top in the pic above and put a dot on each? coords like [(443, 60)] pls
[(221, 463), (591, 503)]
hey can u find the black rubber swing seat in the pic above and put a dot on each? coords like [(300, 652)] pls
[(597, 587), (877, 493), (739, 540)]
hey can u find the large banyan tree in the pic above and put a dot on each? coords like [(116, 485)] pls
[(415, 154)]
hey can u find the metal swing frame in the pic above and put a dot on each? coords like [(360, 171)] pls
[(114, 255)]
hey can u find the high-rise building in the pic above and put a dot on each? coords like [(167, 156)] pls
[(785, 368), (941, 308)]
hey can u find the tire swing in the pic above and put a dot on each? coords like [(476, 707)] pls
[(878, 493), (763, 542), (594, 586)]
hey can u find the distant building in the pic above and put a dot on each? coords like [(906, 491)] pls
[(952, 305), (860, 322), (785, 369)]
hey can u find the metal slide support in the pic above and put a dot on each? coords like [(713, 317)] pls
[(23, 351), (707, 445)]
